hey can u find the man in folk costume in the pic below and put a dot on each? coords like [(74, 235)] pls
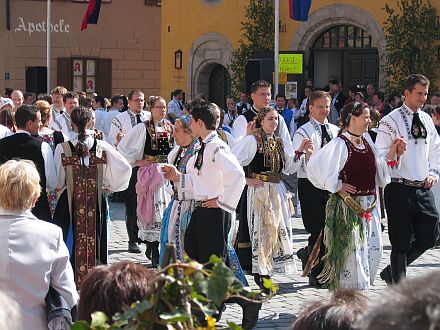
[(245, 125), (215, 180), (308, 139), (119, 127), (86, 168), (146, 146), (410, 205)]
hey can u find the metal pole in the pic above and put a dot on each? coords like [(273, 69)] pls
[(277, 46), (48, 55)]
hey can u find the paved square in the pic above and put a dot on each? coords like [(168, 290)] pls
[(294, 293)]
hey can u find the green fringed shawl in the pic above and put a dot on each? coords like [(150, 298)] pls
[(340, 222)]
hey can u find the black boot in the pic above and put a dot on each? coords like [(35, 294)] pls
[(412, 255), (398, 267), (259, 281), (133, 246), (251, 311), (154, 254), (303, 255)]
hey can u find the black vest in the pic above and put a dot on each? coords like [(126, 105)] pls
[(24, 146)]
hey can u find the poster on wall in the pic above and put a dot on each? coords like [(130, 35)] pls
[(77, 67), (90, 67), (90, 85), (291, 89), (77, 84)]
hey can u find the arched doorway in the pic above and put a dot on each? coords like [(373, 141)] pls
[(219, 85), (214, 81), (347, 52)]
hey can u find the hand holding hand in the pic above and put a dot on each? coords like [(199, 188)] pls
[(429, 182), (171, 173), (251, 128), (211, 203)]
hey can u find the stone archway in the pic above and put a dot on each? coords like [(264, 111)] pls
[(336, 14), (208, 51)]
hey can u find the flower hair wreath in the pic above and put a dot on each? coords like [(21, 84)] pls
[(353, 108)]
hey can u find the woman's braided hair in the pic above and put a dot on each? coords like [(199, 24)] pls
[(80, 117)]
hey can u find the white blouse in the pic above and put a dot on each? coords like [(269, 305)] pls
[(117, 171), (325, 165)]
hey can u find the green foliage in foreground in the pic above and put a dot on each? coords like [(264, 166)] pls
[(179, 292)]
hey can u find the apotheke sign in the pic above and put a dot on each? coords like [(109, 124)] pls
[(31, 27)]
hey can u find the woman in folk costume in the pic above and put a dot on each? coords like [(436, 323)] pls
[(147, 145), (86, 168), (269, 211), (350, 168), (178, 213), (53, 138)]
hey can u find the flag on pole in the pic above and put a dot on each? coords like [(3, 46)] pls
[(92, 14), (299, 9)]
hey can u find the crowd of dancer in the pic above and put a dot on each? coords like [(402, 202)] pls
[(186, 181)]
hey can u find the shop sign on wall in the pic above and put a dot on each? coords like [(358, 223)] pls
[(31, 27)]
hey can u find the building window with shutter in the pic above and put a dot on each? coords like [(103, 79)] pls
[(90, 75)]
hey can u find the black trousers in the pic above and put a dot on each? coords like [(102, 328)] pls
[(313, 202), (130, 200), (412, 218), (207, 234)]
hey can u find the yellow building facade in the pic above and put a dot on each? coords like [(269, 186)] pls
[(207, 31)]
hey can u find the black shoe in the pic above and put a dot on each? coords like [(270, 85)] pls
[(385, 275), (155, 254), (313, 281), (148, 251), (303, 256), (250, 315), (134, 248)]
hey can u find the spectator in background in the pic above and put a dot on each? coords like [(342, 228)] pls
[(7, 92), (371, 89), (283, 110), (116, 105), (435, 98), (98, 105), (17, 98), (394, 101), (231, 113), (352, 90), (34, 256), (243, 105), (112, 289), (175, 106), (28, 98), (304, 108), (378, 102), (412, 304), (292, 104), (338, 101), (57, 95), (359, 97), (341, 313), (7, 113)]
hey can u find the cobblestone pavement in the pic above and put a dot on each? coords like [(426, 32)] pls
[(294, 293)]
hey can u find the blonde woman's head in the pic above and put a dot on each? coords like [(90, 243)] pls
[(19, 185)]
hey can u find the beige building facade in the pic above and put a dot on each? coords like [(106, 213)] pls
[(120, 53)]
